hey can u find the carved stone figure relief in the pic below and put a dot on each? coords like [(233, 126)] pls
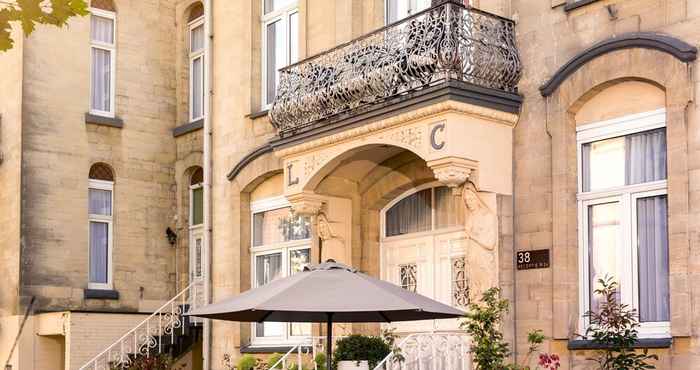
[(480, 221)]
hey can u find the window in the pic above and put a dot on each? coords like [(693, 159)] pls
[(400, 9), (196, 216), (196, 48), (281, 246), (280, 40), (416, 213), (100, 214), (103, 52), (623, 215)]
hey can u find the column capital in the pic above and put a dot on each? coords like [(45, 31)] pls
[(306, 203), (453, 171)]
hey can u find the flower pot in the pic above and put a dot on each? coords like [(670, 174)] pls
[(353, 365)]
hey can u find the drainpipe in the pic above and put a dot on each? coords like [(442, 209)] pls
[(206, 340)]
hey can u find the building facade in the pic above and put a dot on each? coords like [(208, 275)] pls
[(194, 150)]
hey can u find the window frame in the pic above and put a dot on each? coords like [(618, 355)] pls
[(284, 248), (283, 16), (109, 220), (191, 26), (434, 230), (112, 48), (388, 21), (626, 195)]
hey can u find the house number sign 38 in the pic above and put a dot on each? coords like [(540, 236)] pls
[(527, 260)]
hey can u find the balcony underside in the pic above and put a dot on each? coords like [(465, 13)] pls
[(452, 90)]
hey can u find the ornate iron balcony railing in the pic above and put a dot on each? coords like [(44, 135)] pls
[(446, 42)]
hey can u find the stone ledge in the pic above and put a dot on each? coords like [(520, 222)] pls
[(259, 114), (100, 294), (188, 127), (104, 121), (585, 344)]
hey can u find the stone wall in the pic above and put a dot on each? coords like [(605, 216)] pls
[(60, 147)]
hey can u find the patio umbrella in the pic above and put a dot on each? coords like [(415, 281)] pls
[(329, 292)]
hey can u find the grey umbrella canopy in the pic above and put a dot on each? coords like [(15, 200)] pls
[(329, 292)]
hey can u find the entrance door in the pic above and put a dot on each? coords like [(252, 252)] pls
[(423, 250)]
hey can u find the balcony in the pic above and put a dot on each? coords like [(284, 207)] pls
[(469, 52)]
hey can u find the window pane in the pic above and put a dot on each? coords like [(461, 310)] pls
[(449, 210), (197, 39), (100, 202), (298, 259), (625, 160), (102, 29), (411, 214), (276, 58), (645, 157), (652, 240), (293, 38), (99, 260), (399, 9), (604, 164), (268, 268), (272, 5), (197, 206), (604, 246), (408, 277), (196, 93), (279, 225), (101, 79)]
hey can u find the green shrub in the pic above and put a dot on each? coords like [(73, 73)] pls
[(247, 362), (359, 348), (483, 323), (320, 361), (273, 360)]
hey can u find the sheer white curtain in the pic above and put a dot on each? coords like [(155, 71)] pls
[(100, 202), (99, 251), (645, 156), (411, 214), (652, 237), (268, 268)]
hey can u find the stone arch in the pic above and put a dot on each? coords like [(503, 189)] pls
[(655, 68), (107, 5)]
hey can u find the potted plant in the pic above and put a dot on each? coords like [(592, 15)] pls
[(359, 352)]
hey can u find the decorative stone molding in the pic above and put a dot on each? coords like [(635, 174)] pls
[(306, 203), (453, 171), (444, 107)]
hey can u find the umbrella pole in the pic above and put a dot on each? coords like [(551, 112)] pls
[(329, 343)]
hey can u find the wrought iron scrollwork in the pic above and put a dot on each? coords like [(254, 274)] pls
[(447, 42)]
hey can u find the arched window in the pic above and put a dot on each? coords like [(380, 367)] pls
[(103, 48), (100, 225), (196, 37), (425, 210)]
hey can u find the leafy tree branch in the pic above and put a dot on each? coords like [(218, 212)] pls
[(29, 13)]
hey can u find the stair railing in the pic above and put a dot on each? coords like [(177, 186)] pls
[(430, 351), (147, 337)]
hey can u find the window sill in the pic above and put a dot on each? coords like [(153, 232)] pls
[(571, 6), (260, 349), (188, 127), (104, 121), (100, 294), (259, 114), (585, 344)]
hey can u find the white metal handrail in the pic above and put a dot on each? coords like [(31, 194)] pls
[(142, 339), (430, 351)]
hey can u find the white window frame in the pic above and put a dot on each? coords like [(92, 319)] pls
[(281, 15), (192, 57), (284, 248), (112, 48), (109, 220), (626, 196), (426, 3)]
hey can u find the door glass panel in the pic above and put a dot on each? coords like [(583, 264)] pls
[(653, 258), (197, 206), (276, 57), (449, 210), (268, 268), (298, 259), (604, 246), (408, 276)]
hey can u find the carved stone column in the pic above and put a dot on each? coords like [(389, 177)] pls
[(453, 171)]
